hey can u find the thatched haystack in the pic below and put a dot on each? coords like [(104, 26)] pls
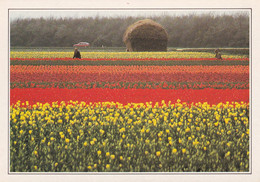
[(145, 35)]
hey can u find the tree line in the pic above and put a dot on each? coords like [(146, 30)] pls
[(184, 31)]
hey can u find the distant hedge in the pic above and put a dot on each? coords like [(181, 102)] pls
[(183, 31)]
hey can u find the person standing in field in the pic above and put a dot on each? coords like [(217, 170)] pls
[(76, 54), (218, 54)]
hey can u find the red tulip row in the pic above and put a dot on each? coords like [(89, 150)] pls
[(130, 73), (125, 96)]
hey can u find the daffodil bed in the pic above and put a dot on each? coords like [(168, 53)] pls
[(125, 118)]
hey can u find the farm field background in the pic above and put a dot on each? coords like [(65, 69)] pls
[(128, 112)]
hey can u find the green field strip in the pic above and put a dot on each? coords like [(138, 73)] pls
[(127, 85), (130, 63)]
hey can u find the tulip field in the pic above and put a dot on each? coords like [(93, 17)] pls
[(129, 112)]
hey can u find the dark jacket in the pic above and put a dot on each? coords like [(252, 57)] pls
[(218, 54), (77, 55)]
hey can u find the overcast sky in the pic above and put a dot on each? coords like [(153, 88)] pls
[(14, 14)]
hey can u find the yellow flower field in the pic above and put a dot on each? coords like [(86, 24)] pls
[(18, 54), (161, 137)]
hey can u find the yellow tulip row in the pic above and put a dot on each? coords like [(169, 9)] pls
[(76, 136), (18, 54)]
